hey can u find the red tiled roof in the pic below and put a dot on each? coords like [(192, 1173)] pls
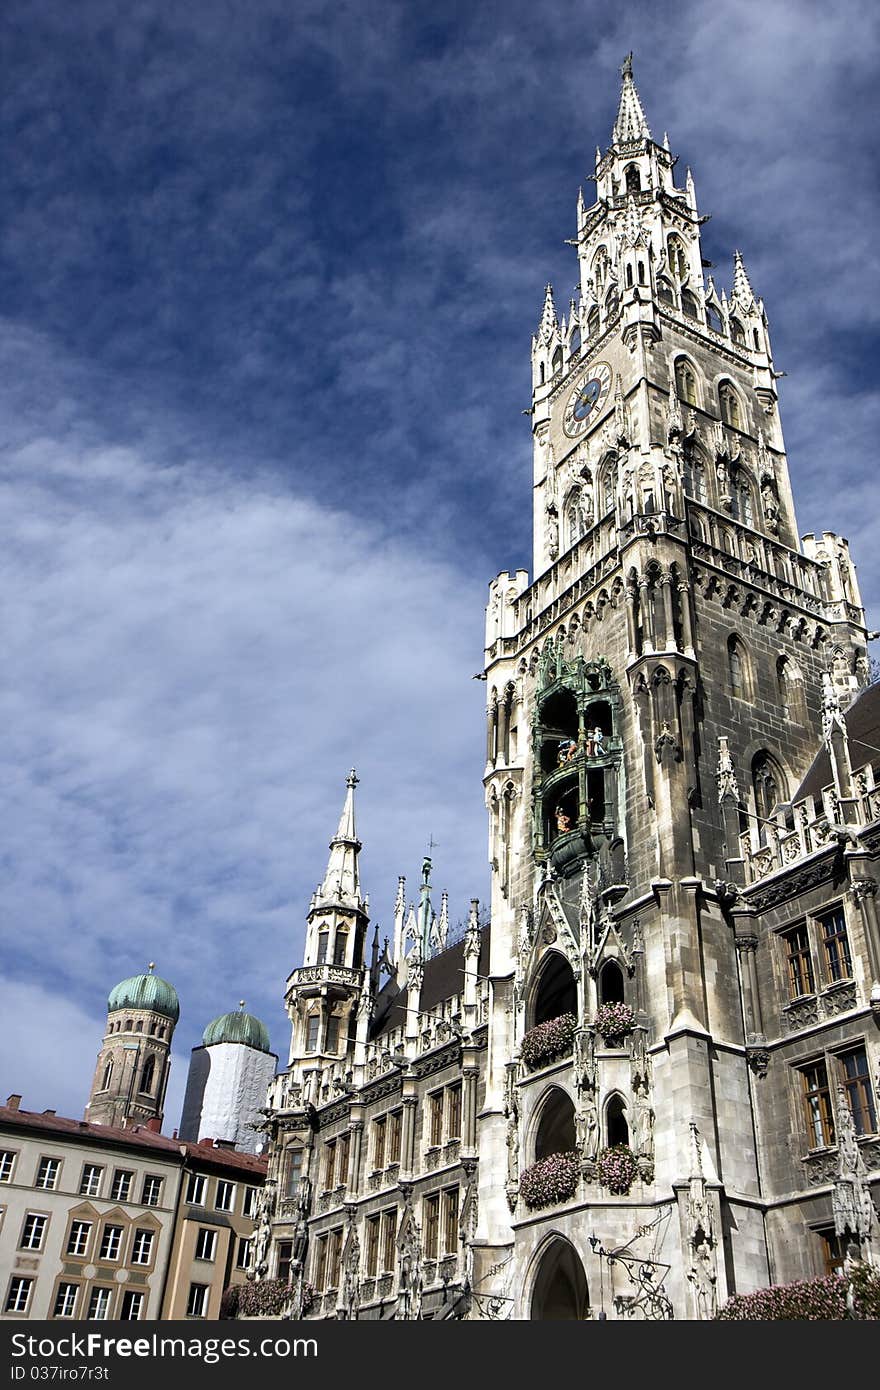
[(136, 1137)]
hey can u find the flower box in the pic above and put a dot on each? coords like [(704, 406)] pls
[(548, 1041), (614, 1022), (616, 1168), (551, 1180)]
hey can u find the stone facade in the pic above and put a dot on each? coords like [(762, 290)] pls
[(661, 1060)]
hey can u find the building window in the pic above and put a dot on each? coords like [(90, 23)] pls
[(206, 1244), (435, 1119), (313, 1023), (329, 1165), (340, 945), (249, 1201), (334, 1255), (729, 402), (195, 1189), (78, 1240), (132, 1306), (152, 1190), (243, 1253), (389, 1240), (321, 1263), (65, 1301), (856, 1077), (833, 1251), (685, 382), (450, 1221), (99, 1305), (372, 1246), (197, 1301), (379, 1127), (90, 1182), (148, 1074), (19, 1295), (285, 1259), (7, 1163), (33, 1231), (395, 1126), (342, 1152), (142, 1247), (108, 1076), (689, 305), (431, 1218), (453, 1113), (800, 966), (111, 1240), (332, 1042), (122, 1181), (294, 1172), (736, 667), (677, 256), (835, 946), (323, 939), (225, 1200), (817, 1105), (47, 1174)]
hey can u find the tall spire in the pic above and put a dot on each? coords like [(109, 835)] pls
[(742, 290), (630, 124), (342, 880)]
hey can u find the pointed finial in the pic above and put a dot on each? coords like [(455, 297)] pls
[(241, 1005), (742, 290), (627, 69), (352, 779), (549, 322), (152, 966), (630, 124)]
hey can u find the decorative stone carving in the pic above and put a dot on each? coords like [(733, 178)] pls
[(703, 1272), (855, 1217), (800, 1014)]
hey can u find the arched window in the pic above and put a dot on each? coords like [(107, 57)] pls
[(629, 277), (677, 256), (616, 1127), (689, 305), (557, 361), (737, 668), (611, 983), (593, 321), (768, 785), (574, 342), (139, 1026), (556, 1132), (641, 272), (633, 179), (556, 992), (323, 939), (611, 303), (784, 686), (148, 1073), (600, 270), (694, 476), (685, 382), (608, 489), (576, 518), (729, 402), (340, 945), (737, 332), (560, 1291), (713, 318), (745, 508), (665, 292), (108, 1076)]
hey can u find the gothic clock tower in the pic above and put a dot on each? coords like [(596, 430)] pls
[(655, 700)]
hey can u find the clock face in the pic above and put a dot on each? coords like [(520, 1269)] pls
[(587, 399)]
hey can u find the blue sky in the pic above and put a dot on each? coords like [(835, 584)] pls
[(268, 276)]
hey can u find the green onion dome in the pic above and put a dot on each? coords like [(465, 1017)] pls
[(146, 992), (237, 1027)]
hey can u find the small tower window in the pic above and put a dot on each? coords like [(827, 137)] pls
[(340, 946), (616, 1127), (737, 332), (313, 1024), (641, 272), (611, 983), (729, 402), (600, 270), (148, 1073), (713, 318), (685, 382), (677, 258), (665, 292), (629, 277), (768, 785), (541, 374), (323, 939), (689, 305), (593, 321), (736, 667), (756, 337), (633, 179), (108, 1076), (332, 1044), (557, 361)]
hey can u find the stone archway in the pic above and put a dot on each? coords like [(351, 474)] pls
[(560, 1291)]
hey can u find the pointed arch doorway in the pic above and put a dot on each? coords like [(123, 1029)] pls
[(560, 1291)]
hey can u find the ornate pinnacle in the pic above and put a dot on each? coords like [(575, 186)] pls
[(352, 780), (832, 716), (742, 290), (725, 774), (549, 324), (630, 124), (674, 422)]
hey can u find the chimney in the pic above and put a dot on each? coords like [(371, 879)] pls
[(13, 1102), (48, 1112), (206, 1143), (154, 1125)]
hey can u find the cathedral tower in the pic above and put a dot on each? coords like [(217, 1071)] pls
[(655, 700), (131, 1075)]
